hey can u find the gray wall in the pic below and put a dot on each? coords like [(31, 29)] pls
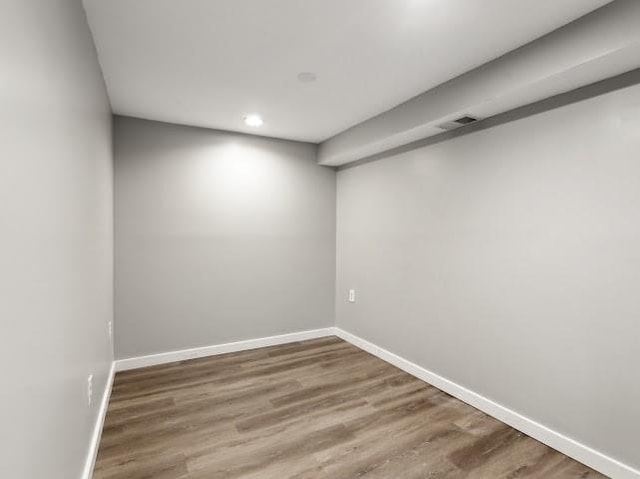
[(508, 261), (56, 235), (219, 237)]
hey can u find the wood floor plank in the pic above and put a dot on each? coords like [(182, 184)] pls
[(316, 409)]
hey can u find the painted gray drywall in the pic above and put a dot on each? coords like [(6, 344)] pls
[(508, 261), (56, 235), (219, 237)]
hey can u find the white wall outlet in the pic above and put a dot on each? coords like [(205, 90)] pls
[(110, 326), (90, 388), (352, 295)]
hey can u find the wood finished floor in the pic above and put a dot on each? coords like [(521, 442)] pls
[(317, 409)]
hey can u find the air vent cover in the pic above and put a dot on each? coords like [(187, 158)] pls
[(465, 120), (462, 121)]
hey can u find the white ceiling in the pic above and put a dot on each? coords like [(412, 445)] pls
[(210, 62)]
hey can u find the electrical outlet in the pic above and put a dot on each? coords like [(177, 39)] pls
[(352, 295), (90, 388), (110, 330)]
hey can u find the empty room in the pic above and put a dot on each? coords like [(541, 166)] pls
[(320, 239)]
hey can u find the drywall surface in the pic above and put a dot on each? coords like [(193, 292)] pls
[(507, 261), (56, 238), (219, 237)]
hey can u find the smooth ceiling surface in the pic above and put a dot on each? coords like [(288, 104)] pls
[(210, 62)]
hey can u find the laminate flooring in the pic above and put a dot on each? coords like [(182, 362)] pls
[(320, 409)]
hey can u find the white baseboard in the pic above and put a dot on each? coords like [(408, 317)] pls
[(584, 454), (172, 356), (90, 462)]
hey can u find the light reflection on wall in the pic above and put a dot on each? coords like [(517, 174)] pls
[(240, 184), (238, 171)]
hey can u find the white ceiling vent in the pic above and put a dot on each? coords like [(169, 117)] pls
[(462, 121)]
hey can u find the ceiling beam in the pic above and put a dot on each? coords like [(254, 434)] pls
[(601, 44)]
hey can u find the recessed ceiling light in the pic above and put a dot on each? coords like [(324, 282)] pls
[(307, 77), (253, 120)]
